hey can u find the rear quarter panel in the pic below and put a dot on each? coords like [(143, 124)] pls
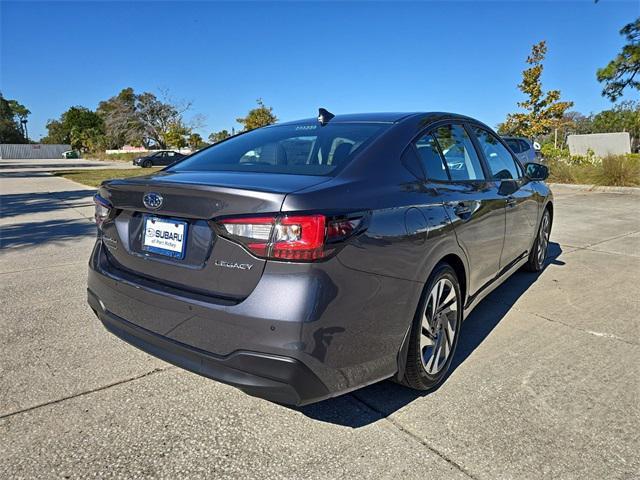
[(379, 276)]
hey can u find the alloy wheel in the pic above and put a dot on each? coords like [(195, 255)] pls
[(439, 326), (543, 239)]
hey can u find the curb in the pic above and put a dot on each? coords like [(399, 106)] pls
[(597, 188)]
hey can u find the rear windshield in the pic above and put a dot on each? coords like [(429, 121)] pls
[(297, 149)]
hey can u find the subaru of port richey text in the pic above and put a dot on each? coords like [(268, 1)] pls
[(306, 259)]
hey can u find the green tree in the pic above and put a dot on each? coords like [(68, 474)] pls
[(10, 128), (175, 135), (621, 72), (624, 117), (216, 137), (80, 127), (196, 142), (578, 123), (142, 119), (260, 116), (122, 123), (158, 118), (543, 111), (56, 133), (21, 113)]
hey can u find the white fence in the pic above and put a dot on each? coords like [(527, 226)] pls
[(31, 151), (601, 144), (184, 151)]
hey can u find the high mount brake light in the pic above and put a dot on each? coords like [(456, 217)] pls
[(293, 237), (102, 211)]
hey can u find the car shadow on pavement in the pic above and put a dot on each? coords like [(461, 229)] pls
[(22, 166), (30, 234), (25, 203), (24, 174), (370, 404)]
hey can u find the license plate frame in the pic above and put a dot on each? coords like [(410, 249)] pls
[(161, 245)]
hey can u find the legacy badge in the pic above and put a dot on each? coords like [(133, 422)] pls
[(239, 266)]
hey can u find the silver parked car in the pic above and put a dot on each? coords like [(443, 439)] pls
[(525, 149)]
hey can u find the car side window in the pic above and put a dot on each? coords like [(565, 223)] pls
[(524, 146), (460, 156), (431, 159), (514, 145), (500, 161)]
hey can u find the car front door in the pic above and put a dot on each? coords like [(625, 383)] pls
[(518, 196), (472, 202)]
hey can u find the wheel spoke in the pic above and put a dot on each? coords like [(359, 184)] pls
[(436, 356), (449, 332), (429, 363), (441, 297), (448, 300), (450, 305), (446, 344), (433, 305), (426, 338)]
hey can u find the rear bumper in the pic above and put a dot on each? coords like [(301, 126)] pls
[(275, 378), (307, 331)]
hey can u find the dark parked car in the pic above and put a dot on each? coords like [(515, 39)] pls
[(162, 157), (307, 259), (525, 149)]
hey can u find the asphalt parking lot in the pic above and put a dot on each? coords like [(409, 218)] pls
[(546, 381)]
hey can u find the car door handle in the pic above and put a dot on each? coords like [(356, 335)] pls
[(461, 209), (511, 201)]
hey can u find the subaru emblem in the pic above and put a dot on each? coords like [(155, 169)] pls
[(152, 200)]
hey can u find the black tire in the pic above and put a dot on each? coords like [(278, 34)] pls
[(538, 253), (418, 374), (147, 164)]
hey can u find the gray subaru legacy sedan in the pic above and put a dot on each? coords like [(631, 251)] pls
[(307, 259)]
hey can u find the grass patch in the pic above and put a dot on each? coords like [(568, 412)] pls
[(615, 171), (95, 177), (115, 157), (619, 171)]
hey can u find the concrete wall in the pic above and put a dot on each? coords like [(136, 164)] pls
[(32, 151), (602, 144)]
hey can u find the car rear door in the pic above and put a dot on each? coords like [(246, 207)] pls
[(169, 158), (161, 159), (517, 194), (472, 202)]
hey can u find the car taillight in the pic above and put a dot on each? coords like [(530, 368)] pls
[(253, 233), (299, 238), (290, 237), (103, 209)]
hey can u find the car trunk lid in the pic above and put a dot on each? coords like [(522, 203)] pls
[(210, 264)]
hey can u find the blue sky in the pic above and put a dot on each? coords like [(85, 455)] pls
[(465, 57)]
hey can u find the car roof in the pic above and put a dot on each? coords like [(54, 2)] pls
[(381, 117)]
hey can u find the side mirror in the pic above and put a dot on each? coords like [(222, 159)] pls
[(507, 187), (536, 171)]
